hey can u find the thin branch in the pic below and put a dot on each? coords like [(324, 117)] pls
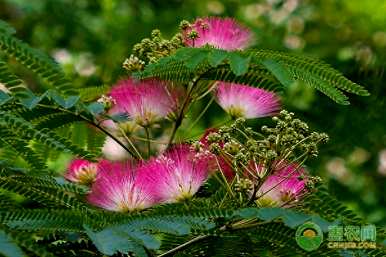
[(201, 114), (176, 249), (180, 115), (147, 132), (159, 142), (114, 138), (91, 123), (130, 143)]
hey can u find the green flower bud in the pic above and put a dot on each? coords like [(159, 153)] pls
[(243, 185), (156, 33), (213, 137), (193, 35), (232, 147), (184, 25), (215, 148)]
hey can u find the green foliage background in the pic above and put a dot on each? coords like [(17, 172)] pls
[(92, 38)]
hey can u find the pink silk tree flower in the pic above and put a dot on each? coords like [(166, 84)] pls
[(177, 174), (81, 172), (223, 33), (286, 185), (119, 187), (146, 101), (245, 101)]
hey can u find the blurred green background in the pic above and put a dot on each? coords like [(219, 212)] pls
[(91, 39)]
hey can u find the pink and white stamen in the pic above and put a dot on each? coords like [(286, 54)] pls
[(245, 101), (223, 33), (177, 174), (120, 187), (146, 101)]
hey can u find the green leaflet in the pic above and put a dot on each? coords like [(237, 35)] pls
[(95, 108), (215, 58), (67, 102), (91, 93), (110, 242), (34, 160), (139, 232), (279, 71), (289, 217), (238, 64), (8, 247), (26, 240), (8, 79), (4, 97)]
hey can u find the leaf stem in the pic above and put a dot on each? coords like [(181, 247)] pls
[(113, 137), (91, 122), (131, 143), (201, 114), (147, 132), (176, 249), (180, 115)]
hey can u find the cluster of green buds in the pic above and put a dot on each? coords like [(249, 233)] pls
[(290, 138), (232, 141), (312, 181), (243, 185), (187, 26), (133, 63), (150, 50)]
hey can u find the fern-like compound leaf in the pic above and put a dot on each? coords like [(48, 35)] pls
[(24, 128), (36, 61), (261, 68)]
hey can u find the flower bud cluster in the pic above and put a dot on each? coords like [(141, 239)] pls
[(150, 50), (243, 185), (292, 134), (289, 138)]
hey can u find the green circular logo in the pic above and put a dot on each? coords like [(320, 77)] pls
[(309, 236)]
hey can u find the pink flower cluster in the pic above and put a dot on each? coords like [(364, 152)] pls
[(178, 173), (173, 176), (144, 102), (236, 99), (148, 101)]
